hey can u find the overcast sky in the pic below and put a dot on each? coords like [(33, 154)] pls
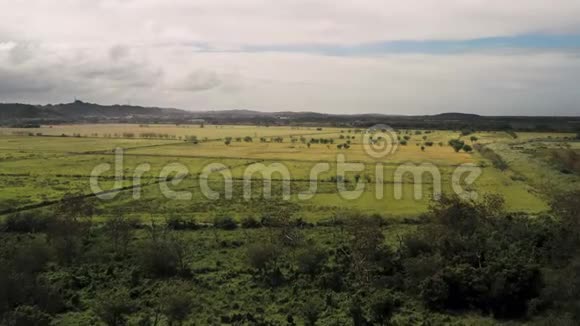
[(376, 56)]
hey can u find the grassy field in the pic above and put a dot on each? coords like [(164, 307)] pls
[(45, 166), (166, 131)]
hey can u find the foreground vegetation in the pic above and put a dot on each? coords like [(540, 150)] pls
[(463, 262)]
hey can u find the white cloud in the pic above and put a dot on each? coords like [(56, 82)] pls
[(283, 21)]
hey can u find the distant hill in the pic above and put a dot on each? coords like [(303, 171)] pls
[(15, 111), (455, 116), (15, 114), (80, 111)]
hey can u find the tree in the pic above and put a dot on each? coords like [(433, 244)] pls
[(457, 144), (311, 310), (356, 312), (70, 226), (382, 305), (262, 255), (27, 316), (120, 231), (310, 260), (467, 148), (113, 306), (473, 139), (163, 254), (367, 250), (176, 303)]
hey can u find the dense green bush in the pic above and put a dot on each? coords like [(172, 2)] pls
[(113, 306), (27, 316), (250, 223), (179, 223), (225, 223), (25, 223)]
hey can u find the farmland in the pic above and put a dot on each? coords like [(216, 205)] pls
[(43, 164)]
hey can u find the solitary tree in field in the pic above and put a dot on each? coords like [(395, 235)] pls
[(456, 144), (473, 139), (467, 148)]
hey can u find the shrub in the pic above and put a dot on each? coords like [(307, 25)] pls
[(176, 304), (457, 144), (113, 306), (162, 256), (261, 255), (497, 161), (180, 223), (311, 310), (250, 223), (26, 223), (32, 256), (27, 315), (435, 292), (466, 131), (382, 305), (310, 260), (225, 223)]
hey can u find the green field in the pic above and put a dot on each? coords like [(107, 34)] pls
[(44, 166)]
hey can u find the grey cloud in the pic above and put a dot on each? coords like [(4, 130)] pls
[(119, 52), (23, 52), (12, 82), (196, 81)]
